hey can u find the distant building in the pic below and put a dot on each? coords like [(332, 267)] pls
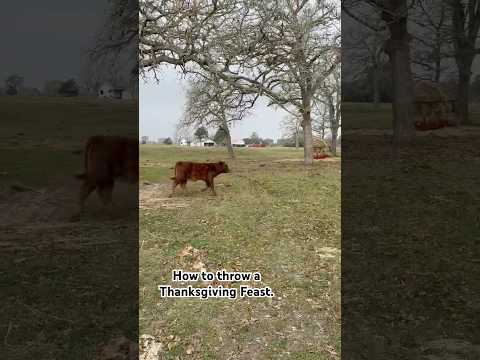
[(107, 90), (209, 143), (204, 143), (238, 143)]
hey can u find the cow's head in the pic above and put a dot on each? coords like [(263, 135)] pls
[(222, 167)]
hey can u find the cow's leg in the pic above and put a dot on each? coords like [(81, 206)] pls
[(85, 190), (105, 193), (207, 186), (184, 185), (210, 184)]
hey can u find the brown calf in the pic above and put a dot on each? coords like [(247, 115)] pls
[(186, 170), (106, 159)]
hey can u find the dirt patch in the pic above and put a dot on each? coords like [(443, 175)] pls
[(56, 204), (328, 159), (156, 196)]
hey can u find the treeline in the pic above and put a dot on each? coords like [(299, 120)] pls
[(14, 85), (362, 89)]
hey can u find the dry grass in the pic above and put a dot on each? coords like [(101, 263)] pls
[(271, 216)]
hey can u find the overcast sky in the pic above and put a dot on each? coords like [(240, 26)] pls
[(46, 40), (162, 104)]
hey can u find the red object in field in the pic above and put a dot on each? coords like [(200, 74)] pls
[(421, 126), (320, 156)]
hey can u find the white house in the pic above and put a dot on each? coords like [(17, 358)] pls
[(204, 143), (107, 90), (238, 143), (209, 143)]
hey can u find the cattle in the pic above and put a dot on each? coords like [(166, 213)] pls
[(186, 170), (107, 158)]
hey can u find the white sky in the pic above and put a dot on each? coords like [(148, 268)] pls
[(162, 104)]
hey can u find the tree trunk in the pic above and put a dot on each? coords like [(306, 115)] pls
[(402, 83), (376, 87), (463, 91), (438, 64), (297, 144), (228, 139), (307, 138), (333, 126), (334, 141), (465, 26)]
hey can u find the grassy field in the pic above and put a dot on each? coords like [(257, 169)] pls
[(409, 239), (367, 116), (42, 134), (271, 215), (65, 287)]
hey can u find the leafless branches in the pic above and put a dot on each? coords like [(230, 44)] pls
[(282, 50), (212, 102)]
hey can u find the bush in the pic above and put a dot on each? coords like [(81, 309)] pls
[(69, 88), (11, 91)]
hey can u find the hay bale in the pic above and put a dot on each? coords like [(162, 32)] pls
[(321, 149), (431, 105), (429, 91), (320, 144)]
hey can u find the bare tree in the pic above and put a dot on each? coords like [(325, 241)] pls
[(365, 52), (281, 49), (394, 16), (213, 102), (432, 41), (330, 100), (291, 126), (183, 132), (465, 28), (451, 30), (119, 32), (320, 120), (113, 56), (13, 84)]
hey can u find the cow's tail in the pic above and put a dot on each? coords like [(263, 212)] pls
[(87, 150)]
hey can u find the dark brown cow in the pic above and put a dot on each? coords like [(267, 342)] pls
[(106, 159), (186, 170)]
